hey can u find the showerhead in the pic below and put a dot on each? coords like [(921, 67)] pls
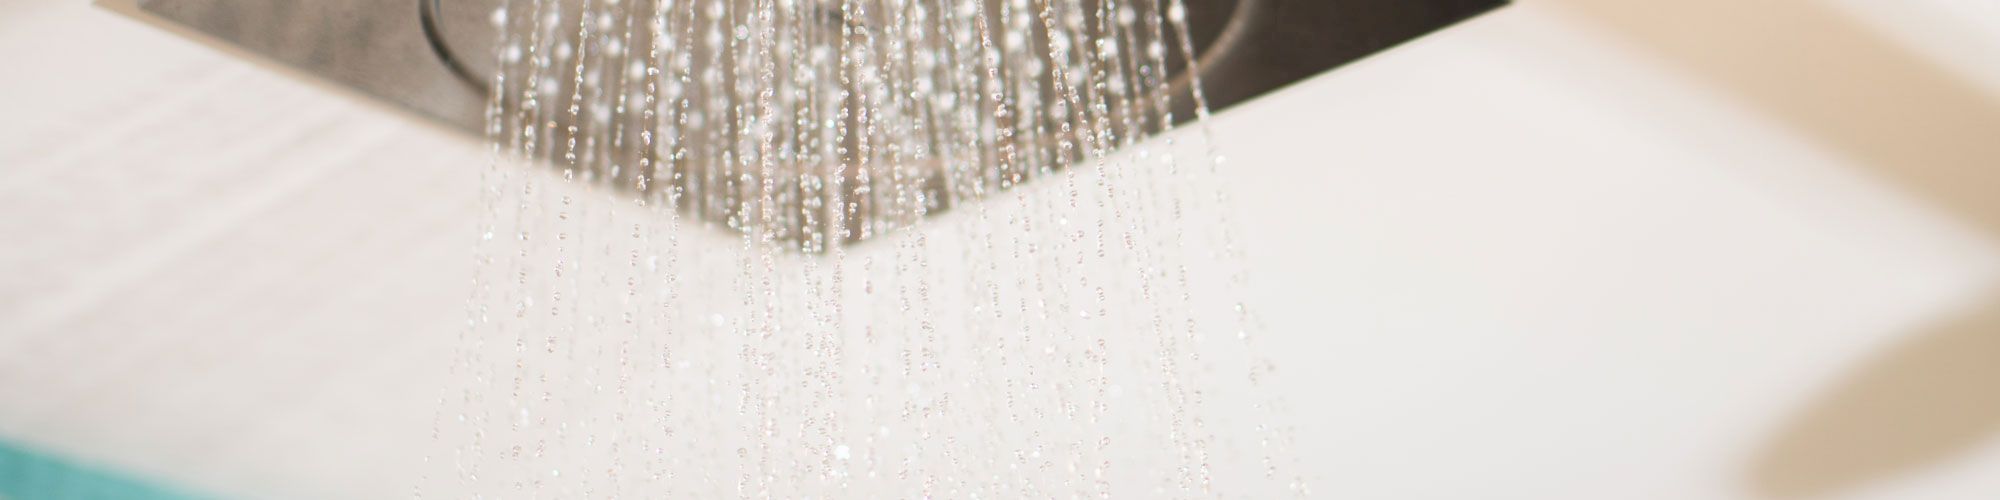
[(439, 59), (428, 57)]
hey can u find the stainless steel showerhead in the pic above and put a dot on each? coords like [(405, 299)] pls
[(425, 56), (437, 58)]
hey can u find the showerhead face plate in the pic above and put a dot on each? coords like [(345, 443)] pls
[(439, 59), (380, 48)]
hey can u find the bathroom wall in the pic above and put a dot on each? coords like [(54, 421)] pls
[(1575, 249)]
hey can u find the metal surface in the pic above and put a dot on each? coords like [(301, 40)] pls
[(380, 48)]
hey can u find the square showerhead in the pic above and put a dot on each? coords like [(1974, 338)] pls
[(836, 172), (392, 51)]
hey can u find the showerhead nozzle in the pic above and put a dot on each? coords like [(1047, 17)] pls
[(765, 121), (429, 56)]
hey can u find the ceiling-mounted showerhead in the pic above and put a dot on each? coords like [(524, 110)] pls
[(773, 128), (390, 50)]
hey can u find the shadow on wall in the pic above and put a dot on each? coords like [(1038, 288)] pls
[(1837, 81), (1834, 80), (1920, 402)]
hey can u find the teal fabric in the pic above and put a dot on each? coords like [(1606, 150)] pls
[(30, 475)]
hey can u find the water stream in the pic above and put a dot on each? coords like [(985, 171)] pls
[(855, 249)]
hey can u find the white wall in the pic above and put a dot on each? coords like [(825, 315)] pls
[(1576, 249)]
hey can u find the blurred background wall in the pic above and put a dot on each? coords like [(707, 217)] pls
[(1573, 249)]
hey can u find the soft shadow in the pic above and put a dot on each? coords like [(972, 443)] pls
[(1840, 83), (1918, 403), (1836, 81)]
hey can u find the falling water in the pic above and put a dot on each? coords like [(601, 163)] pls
[(855, 249)]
